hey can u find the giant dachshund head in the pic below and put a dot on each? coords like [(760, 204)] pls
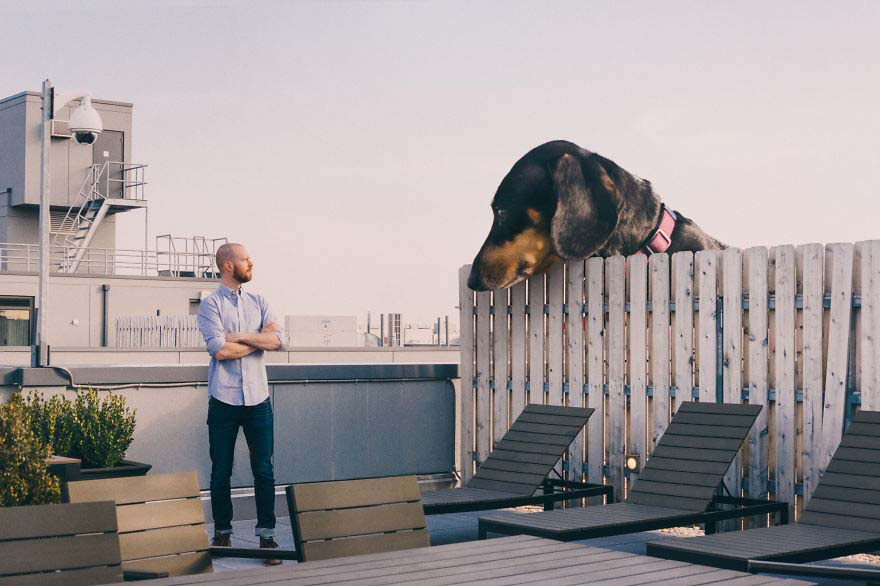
[(559, 201)]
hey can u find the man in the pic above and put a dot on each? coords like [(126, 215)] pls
[(239, 328)]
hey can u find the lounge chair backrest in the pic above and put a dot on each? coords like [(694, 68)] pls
[(848, 495), (532, 446), (161, 520), (79, 540), (691, 458), (353, 517)]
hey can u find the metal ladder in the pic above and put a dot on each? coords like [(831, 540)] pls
[(84, 219)]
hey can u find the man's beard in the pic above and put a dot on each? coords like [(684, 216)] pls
[(241, 276)]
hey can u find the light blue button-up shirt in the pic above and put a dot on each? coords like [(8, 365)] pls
[(240, 381)]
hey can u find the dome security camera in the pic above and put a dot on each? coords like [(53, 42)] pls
[(85, 123)]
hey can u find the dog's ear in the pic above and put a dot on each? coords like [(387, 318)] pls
[(586, 209)]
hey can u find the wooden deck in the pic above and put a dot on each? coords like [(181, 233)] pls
[(509, 560)]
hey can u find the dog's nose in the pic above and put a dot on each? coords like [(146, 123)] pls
[(475, 282)]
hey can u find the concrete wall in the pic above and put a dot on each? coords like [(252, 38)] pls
[(322, 330), (12, 151), (20, 356), (69, 161), (361, 421), (76, 302)]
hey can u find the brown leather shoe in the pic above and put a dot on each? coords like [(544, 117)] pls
[(269, 542), (222, 540)]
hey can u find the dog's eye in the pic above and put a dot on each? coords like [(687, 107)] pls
[(501, 215)]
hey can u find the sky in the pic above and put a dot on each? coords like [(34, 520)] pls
[(354, 147)]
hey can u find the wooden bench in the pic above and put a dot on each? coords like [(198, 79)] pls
[(517, 470), (66, 544), (353, 517), (161, 522), (677, 486)]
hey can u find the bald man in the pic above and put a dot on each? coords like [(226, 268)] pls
[(239, 328)]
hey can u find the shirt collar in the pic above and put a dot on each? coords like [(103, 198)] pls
[(226, 291)]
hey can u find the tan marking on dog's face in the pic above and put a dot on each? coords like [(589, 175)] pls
[(534, 215), (501, 263)]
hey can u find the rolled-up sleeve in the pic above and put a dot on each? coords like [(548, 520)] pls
[(211, 326), (267, 316)]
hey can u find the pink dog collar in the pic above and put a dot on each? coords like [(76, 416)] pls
[(661, 239)]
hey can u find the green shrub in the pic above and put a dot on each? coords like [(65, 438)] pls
[(24, 476), (97, 431), (105, 428), (52, 421)]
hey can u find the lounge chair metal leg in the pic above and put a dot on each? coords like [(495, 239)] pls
[(548, 490)]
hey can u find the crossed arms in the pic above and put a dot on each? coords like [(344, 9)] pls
[(224, 345), (239, 344)]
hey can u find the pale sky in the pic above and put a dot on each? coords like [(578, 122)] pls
[(354, 147)]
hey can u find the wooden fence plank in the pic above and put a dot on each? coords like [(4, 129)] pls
[(556, 299), (615, 268), (707, 277), (813, 263), (683, 350), (731, 363), (555, 319), (575, 343), (500, 340), (638, 398), (840, 257), (658, 266), (482, 429), (756, 267), (869, 320), (517, 349), (595, 365), (536, 340), (466, 372), (785, 400)]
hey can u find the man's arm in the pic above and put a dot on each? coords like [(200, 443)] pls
[(267, 339), (233, 350), (211, 327), (271, 336)]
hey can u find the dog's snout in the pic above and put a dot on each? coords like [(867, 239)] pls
[(475, 281)]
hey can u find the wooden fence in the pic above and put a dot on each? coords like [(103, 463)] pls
[(166, 331), (793, 328)]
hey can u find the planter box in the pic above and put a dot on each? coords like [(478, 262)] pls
[(66, 469), (125, 468)]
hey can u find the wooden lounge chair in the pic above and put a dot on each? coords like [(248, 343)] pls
[(353, 517), (517, 471), (59, 544), (161, 524), (841, 518), (676, 487)]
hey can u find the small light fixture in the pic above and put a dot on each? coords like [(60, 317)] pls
[(631, 461)]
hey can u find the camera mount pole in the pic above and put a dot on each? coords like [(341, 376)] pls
[(40, 355)]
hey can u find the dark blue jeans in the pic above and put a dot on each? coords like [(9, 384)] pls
[(223, 423)]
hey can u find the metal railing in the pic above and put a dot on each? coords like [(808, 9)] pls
[(16, 257), (127, 180)]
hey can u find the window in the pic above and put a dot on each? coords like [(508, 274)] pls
[(16, 320)]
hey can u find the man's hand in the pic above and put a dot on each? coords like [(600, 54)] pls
[(270, 327)]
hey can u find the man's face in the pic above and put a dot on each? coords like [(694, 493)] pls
[(242, 267)]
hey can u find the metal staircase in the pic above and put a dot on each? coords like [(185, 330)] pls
[(92, 205)]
